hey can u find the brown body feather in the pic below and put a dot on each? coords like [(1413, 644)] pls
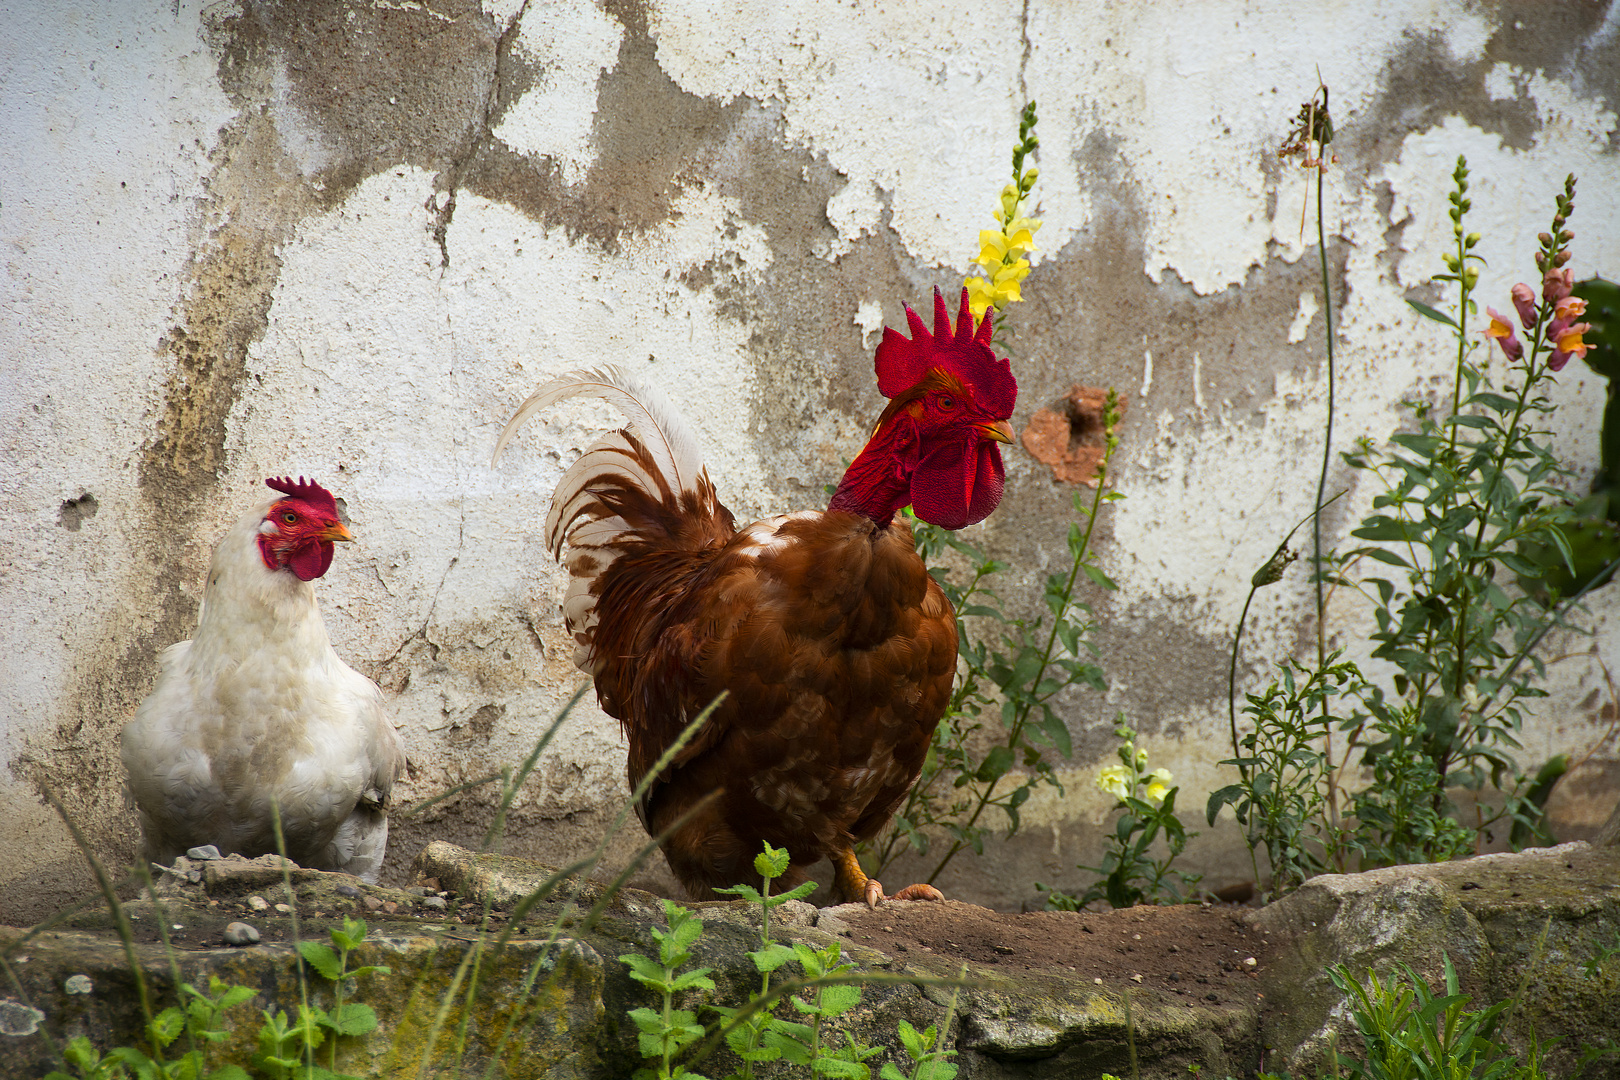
[(836, 649), (838, 652)]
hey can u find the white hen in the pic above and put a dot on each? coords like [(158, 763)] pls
[(257, 709)]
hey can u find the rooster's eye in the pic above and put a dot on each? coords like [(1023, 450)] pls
[(947, 403), (290, 518)]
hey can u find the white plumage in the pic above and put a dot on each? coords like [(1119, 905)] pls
[(257, 708)]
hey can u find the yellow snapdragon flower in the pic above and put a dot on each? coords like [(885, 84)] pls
[(1114, 780), (1158, 785), (1002, 250)]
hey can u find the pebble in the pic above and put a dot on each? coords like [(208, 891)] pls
[(390, 906), (206, 853), (348, 890), (258, 903), (78, 984), (373, 903), (240, 933), (435, 902), (1250, 962), (284, 909)]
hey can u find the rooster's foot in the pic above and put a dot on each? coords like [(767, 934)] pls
[(919, 892)]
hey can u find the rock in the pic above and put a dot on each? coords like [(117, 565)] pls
[(17, 1019), (434, 903), (206, 853), (240, 933), (349, 891), (258, 903), (78, 984), (283, 909), (1513, 926)]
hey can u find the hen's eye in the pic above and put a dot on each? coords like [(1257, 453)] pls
[(947, 403), (290, 518)]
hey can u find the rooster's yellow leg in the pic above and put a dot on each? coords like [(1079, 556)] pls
[(851, 885)]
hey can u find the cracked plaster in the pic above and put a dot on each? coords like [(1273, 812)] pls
[(346, 240)]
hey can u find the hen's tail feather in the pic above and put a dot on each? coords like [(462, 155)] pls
[(643, 486)]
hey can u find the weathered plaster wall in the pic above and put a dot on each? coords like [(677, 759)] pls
[(346, 239)]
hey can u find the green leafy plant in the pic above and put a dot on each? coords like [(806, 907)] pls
[(826, 989), (746, 1036), (288, 1046), (928, 1058), (1146, 803), (1462, 495), (1281, 799), (1469, 493), (990, 749), (1410, 1033), (664, 1034), (198, 1021)]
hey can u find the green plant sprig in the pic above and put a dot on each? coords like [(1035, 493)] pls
[(1129, 874), (1020, 676)]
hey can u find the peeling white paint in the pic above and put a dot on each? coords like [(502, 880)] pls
[(572, 43), (1309, 305)]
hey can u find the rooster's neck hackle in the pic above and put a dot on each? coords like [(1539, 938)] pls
[(878, 482)]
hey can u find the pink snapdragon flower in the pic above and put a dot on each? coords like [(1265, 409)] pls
[(1524, 301), (1503, 332), (1557, 284), (1566, 339)]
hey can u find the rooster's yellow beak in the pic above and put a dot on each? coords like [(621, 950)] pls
[(335, 532), (1000, 430)]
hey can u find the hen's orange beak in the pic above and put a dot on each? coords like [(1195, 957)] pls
[(335, 532), (999, 430)]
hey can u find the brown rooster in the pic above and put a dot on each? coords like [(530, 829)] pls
[(257, 707), (837, 648)]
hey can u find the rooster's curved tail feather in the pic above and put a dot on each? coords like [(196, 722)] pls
[(641, 488)]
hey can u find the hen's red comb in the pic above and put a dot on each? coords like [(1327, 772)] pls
[(307, 490), (964, 351)]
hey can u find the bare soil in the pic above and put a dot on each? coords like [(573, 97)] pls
[(1204, 951)]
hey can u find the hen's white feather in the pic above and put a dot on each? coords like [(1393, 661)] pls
[(258, 707)]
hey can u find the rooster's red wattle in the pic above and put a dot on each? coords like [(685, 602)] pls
[(836, 647)]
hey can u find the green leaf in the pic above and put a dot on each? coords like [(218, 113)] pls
[(772, 862), (840, 1069), (167, 1026), (798, 892), (1097, 576), (836, 1000), (913, 1041), (697, 977), (322, 959), (352, 1018), (1430, 313), (771, 957), (642, 969), (647, 1020), (747, 892), (1217, 799), (995, 764)]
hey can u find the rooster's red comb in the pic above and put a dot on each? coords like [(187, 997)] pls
[(307, 490), (963, 351)]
